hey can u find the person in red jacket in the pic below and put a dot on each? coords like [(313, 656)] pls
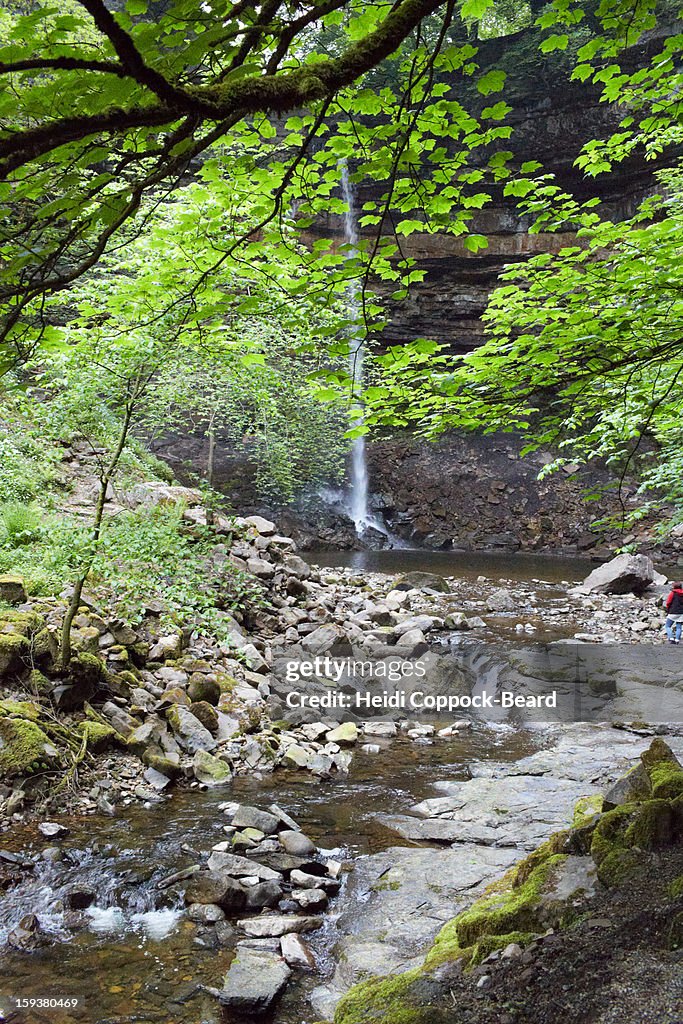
[(674, 614)]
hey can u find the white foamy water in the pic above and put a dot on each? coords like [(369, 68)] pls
[(106, 920), (157, 924)]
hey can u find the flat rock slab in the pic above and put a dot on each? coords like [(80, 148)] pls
[(254, 981), (240, 867), (272, 925), (396, 902)]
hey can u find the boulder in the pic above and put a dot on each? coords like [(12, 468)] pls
[(167, 647), (261, 525), (297, 756), (24, 748), (422, 581), (210, 770), (154, 492), (203, 688), (189, 730), (305, 880), (323, 638), (421, 622), (310, 899), (296, 843), (254, 980), (264, 894), (206, 714), (622, 575), (251, 817), (296, 565), (345, 734), (501, 601), (12, 589), (296, 952), (216, 887), (240, 867), (275, 925), (261, 568)]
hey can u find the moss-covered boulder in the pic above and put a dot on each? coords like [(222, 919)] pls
[(206, 714), (12, 589), (24, 748), (15, 652), (203, 688), (98, 735)]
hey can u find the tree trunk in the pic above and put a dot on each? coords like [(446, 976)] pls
[(105, 480), (210, 466)]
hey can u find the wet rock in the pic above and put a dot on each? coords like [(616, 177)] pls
[(310, 899), (305, 880), (254, 981), (296, 952), (53, 830), (240, 867), (296, 843), (210, 770), (345, 734), (78, 897), (283, 817), (216, 887), (264, 894), (205, 913), (27, 935), (273, 925), (251, 817), (157, 780)]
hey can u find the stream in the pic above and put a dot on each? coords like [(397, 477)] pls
[(139, 959)]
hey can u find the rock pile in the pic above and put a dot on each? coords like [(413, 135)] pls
[(270, 883)]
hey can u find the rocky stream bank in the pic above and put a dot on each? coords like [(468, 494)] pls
[(145, 711)]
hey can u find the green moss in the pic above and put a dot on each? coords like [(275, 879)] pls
[(618, 866), (651, 826), (667, 780), (585, 810), (24, 623), (98, 735), (510, 906), (21, 709), (24, 747), (382, 999), (86, 668), (15, 651), (39, 683), (609, 831)]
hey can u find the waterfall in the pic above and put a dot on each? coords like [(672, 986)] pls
[(358, 503)]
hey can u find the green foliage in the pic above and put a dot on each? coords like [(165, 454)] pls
[(19, 524), (148, 554)]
